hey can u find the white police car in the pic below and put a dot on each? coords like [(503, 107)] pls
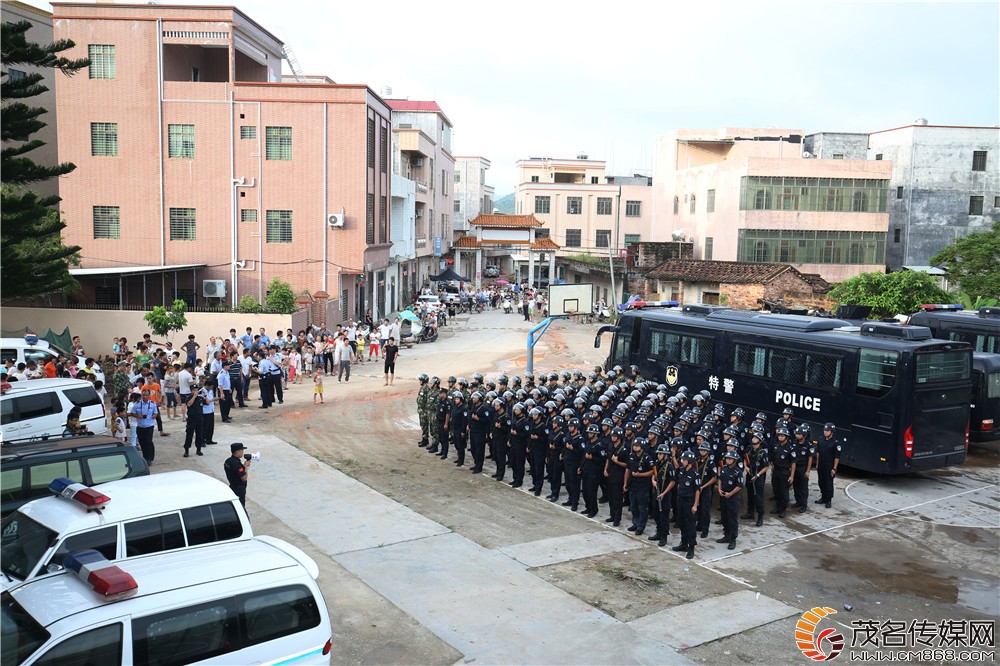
[(232, 603), (123, 519)]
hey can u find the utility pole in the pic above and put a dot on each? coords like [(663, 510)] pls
[(612, 248)]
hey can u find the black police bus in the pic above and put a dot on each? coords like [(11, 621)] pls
[(980, 329), (900, 399)]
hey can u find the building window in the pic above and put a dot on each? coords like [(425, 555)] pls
[(574, 205), (279, 226), (458, 206), (102, 61), (384, 149), (534, 179), (692, 204), (248, 215), (445, 233), (593, 180), (677, 204), (813, 194), (573, 238), (709, 248), (248, 131), (371, 143), (604, 205), (15, 75), (278, 143), (543, 204), (899, 192), (104, 139), (996, 202), (878, 157), (710, 201), (838, 156), (632, 239), (370, 220), (431, 172), (633, 208), (107, 222), (859, 202), (807, 246), (458, 176), (979, 160), (180, 140), (183, 225), (895, 235), (195, 74), (444, 182), (603, 238), (383, 232), (975, 205)]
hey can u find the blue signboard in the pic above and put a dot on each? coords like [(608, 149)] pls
[(437, 246)]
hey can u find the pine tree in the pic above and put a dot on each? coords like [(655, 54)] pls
[(34, 260)]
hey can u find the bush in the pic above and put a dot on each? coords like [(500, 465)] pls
[(280, 297), (248, 304)]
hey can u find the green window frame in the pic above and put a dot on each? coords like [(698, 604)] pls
[(278, 143), (180, 140), (107, 222), (104, 139), (183, 224), (248, 131), (279, 226), (102, 61)]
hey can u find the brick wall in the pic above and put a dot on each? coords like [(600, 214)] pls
[(652, 255)]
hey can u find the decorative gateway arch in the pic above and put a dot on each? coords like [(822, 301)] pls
[(507, 235)]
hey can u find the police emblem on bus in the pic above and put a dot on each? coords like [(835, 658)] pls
[(671, 375)]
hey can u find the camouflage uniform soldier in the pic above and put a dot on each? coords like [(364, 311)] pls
[(432, 409), (423, 396)]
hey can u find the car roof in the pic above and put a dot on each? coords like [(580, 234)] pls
[(21, 342), (52, 598), (35, 385), (54, 445), (131, 498)]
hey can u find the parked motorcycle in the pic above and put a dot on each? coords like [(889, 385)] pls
[(601, 312)]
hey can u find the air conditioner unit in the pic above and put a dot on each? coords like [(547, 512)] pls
[(417, 161), (368, 268), (419, 213), (335, 219), (213, 288)]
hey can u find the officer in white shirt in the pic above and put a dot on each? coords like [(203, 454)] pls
[(184, 381)]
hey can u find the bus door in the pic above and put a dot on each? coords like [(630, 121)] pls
[(942, 394), (984, 424), (877, 418)]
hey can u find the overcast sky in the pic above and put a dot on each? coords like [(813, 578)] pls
[(547, 78)]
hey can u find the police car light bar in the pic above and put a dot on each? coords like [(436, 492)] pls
[(77, 492), (931, 307), (653, 304), (107, 579)]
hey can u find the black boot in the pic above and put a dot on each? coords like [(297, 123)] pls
[(680, 548), (760, 519), (662, 542), (690, 554), (423, 443), (747, 516), (724, 539), (732, 545), (654, 537)]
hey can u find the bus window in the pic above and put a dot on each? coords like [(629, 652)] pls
[(942, 366), (696, 350), (980, 342), (876, 372), (674, 348), (663, 345), (993, 385), (823, 371), (749, 359), (620, 352)]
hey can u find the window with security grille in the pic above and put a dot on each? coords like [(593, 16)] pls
[(458, 206), (183, 225), (710, 201), (574, 205), (384, 150), (371, 143), (821, 371), (979, 160), (975, 205), (180, 140), (102, 61), (604, 205), (279, 226), (383, 234), (248, 131), (692, 204), (248, 215), (107, 222), (677, 205), (104, 139), (278, 143), (573, 237), (633, 208), (543, 204), (370, 220), (632, 239), (603, 238)]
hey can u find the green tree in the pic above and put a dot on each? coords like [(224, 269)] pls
[(280, 297), (969, 303), (248, 304), (889, 294), (35, 261), (973, 262), (165, 322)]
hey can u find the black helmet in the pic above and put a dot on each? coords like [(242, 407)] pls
[(706, 394), (634, 369), (521, 394), (787, 411), (574, 423), (508, 395), (704, 446), (598, 369), (739, 413), (529, 376), (593, 429), (567, 413), (682, 389), (553, 377), (607, 423), (696, 411), (515, 380), (457, 395), (640, 441), (462, 381), (544, 390), (654, 430), (719, 409), (491, 385), (681, 425), (802, 430), (557, 421), (632, 425), (617, 432), (761, 416), (677, 441), (529, 403), (451, 379), (732, 431), (518, 407), (478, 377), (502, 380), (534, 411), (577, 374), (830, 426), (535, 393), (644, 411), (579, 402), (435, 381), (782, 430), (498, 404), (592, 377), (491, 395), (663, 448), (477, 396), (688, 457), (731, 455), (566, 376), (423, 378)]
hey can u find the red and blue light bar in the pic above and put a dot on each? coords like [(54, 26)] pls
[(932, 307), (653, 304), (79, 493), (107, 579)]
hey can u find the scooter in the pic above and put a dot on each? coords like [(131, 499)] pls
[(507, 307), (601, 312)]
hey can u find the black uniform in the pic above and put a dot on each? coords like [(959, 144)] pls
[(593, 470), (480, 422), (458, 424), (781, 460), (557, 440), (234, 472), (758, 462), (665, 473), (616, 480), (828, 451), (639, 489), (193, 429), (518, 449), (730, 478), (688, 482), (572, 462), (538, 438), (500, 437), (804, 452), (444, 408), (706, 466)]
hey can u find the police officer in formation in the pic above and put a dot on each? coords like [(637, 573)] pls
[(663, 456)]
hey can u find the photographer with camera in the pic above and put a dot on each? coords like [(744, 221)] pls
[(236, 466)]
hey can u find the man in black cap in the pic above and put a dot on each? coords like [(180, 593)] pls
[(236, 472)]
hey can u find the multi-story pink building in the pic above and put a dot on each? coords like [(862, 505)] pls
[(748, 194), (201, 175)]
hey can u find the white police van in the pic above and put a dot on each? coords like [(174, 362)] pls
[(30, 348), (124, 519), (233, 603)]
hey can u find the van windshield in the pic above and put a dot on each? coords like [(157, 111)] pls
[(22, 543), (20, 634)]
